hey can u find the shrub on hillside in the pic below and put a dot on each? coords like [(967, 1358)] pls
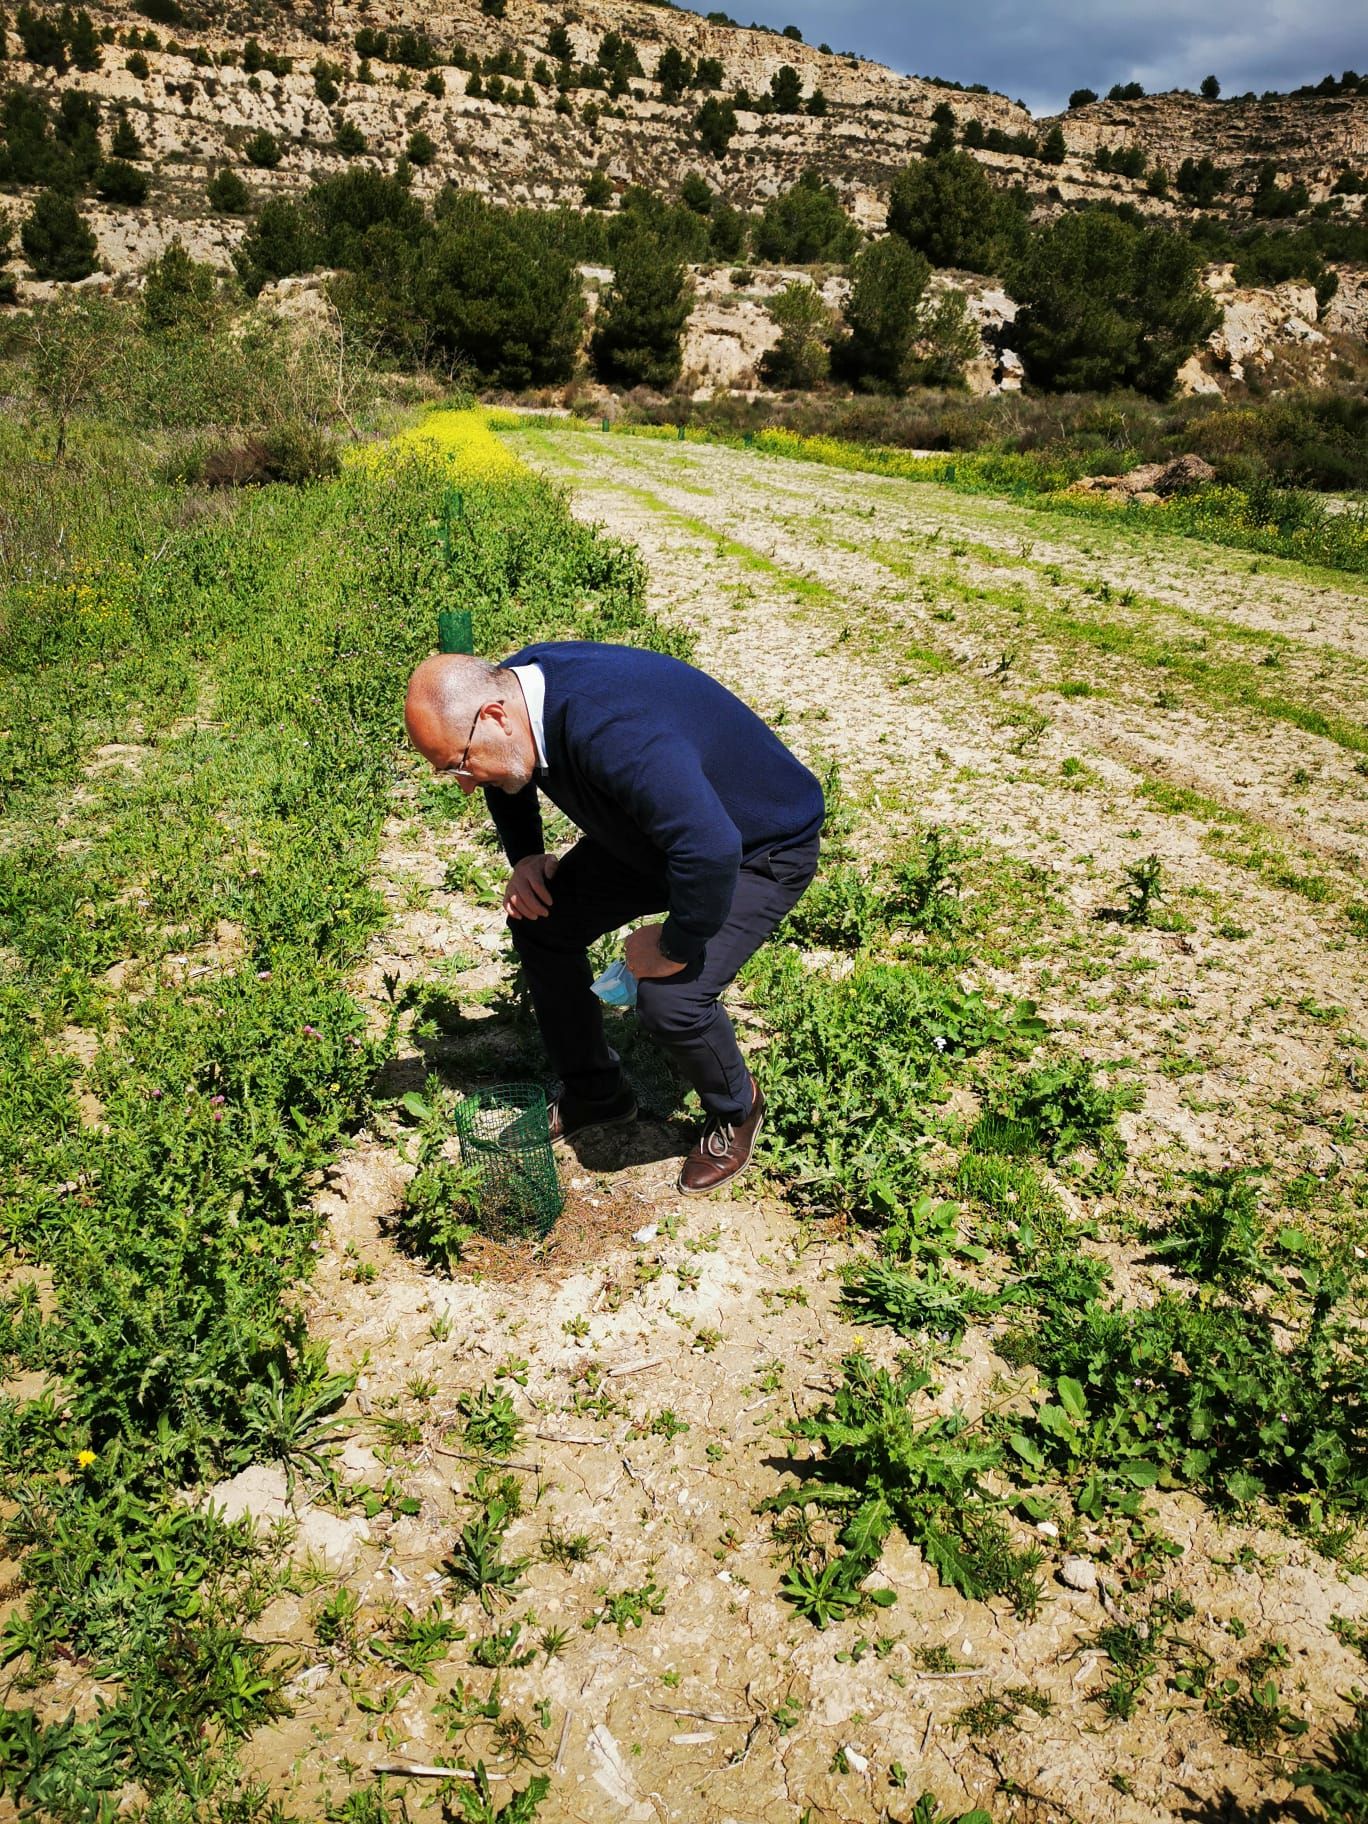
[(56, 241), (639, 330), (947, 209), (1201, 181), (1305, 440), (120, 183), (263, 151), (42, 40), (422, 149), (179, 293), (281, 241), (805, 224), (226, 193), (124, 142), (715, 125), (597, 191), (801, 357), (1274, 200), (1105, 304), (8, 286), (786, 90), (348, 138)]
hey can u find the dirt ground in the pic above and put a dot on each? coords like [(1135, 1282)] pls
[(656, 1349)]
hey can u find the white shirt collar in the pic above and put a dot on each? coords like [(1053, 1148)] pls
[(534, 695)]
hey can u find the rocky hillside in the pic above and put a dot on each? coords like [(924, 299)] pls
[(215, 77)]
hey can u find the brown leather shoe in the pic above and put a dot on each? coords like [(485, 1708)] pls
[(569, 1115), (724, 1149)]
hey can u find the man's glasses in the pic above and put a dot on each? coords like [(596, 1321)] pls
[(459, 770)]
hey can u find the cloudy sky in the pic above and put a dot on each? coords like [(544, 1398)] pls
[(1036, 51)]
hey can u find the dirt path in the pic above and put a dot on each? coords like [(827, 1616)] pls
[(656, 1351)]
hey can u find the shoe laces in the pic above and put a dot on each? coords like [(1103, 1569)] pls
[(718, 1138)]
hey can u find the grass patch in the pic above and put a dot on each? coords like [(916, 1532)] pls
[(255, 659)]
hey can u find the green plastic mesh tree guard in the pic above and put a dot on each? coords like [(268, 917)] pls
[(504, 1137), (455, 631), (455, 626)]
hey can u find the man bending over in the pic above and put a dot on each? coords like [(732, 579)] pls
[(689, 806)]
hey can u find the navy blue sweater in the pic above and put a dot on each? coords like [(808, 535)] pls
[(667, 770)]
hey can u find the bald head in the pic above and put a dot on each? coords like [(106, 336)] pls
[(445, 693), (461, 711)]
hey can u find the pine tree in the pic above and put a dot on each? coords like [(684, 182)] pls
[(83, 44), (42, 40), (806, 223), (597, 191), (715, 125), (1105, 304), (226, 193), (947, 209), (8, 286), (943, 129), (801, 357), (496, 292), (56, 240), (786, 90), (178, 293), (887, 281), (638, 334), (263, 150), (674, 73), (125, 143), (120, 183), (1053, 148)]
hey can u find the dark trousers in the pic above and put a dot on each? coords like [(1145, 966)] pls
[(593, 892)]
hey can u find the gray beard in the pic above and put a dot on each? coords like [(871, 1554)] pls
[(518, 775)]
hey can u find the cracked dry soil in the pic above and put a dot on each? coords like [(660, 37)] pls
[(806, 588)]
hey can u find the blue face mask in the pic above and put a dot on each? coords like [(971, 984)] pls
[(616, 987)]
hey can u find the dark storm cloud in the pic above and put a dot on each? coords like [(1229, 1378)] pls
[(1038, 52)]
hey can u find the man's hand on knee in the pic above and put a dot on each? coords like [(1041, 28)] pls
[(528, 893), (644, 959)]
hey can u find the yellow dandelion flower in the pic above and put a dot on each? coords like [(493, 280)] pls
[(84, 1459)]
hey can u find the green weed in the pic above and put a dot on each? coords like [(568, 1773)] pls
[(492, 1425), (625, 1609), (1339, 1775), (879, 1468), (1218, 1236)]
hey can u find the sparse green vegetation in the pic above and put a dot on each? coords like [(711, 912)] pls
[(1048, 1283)]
